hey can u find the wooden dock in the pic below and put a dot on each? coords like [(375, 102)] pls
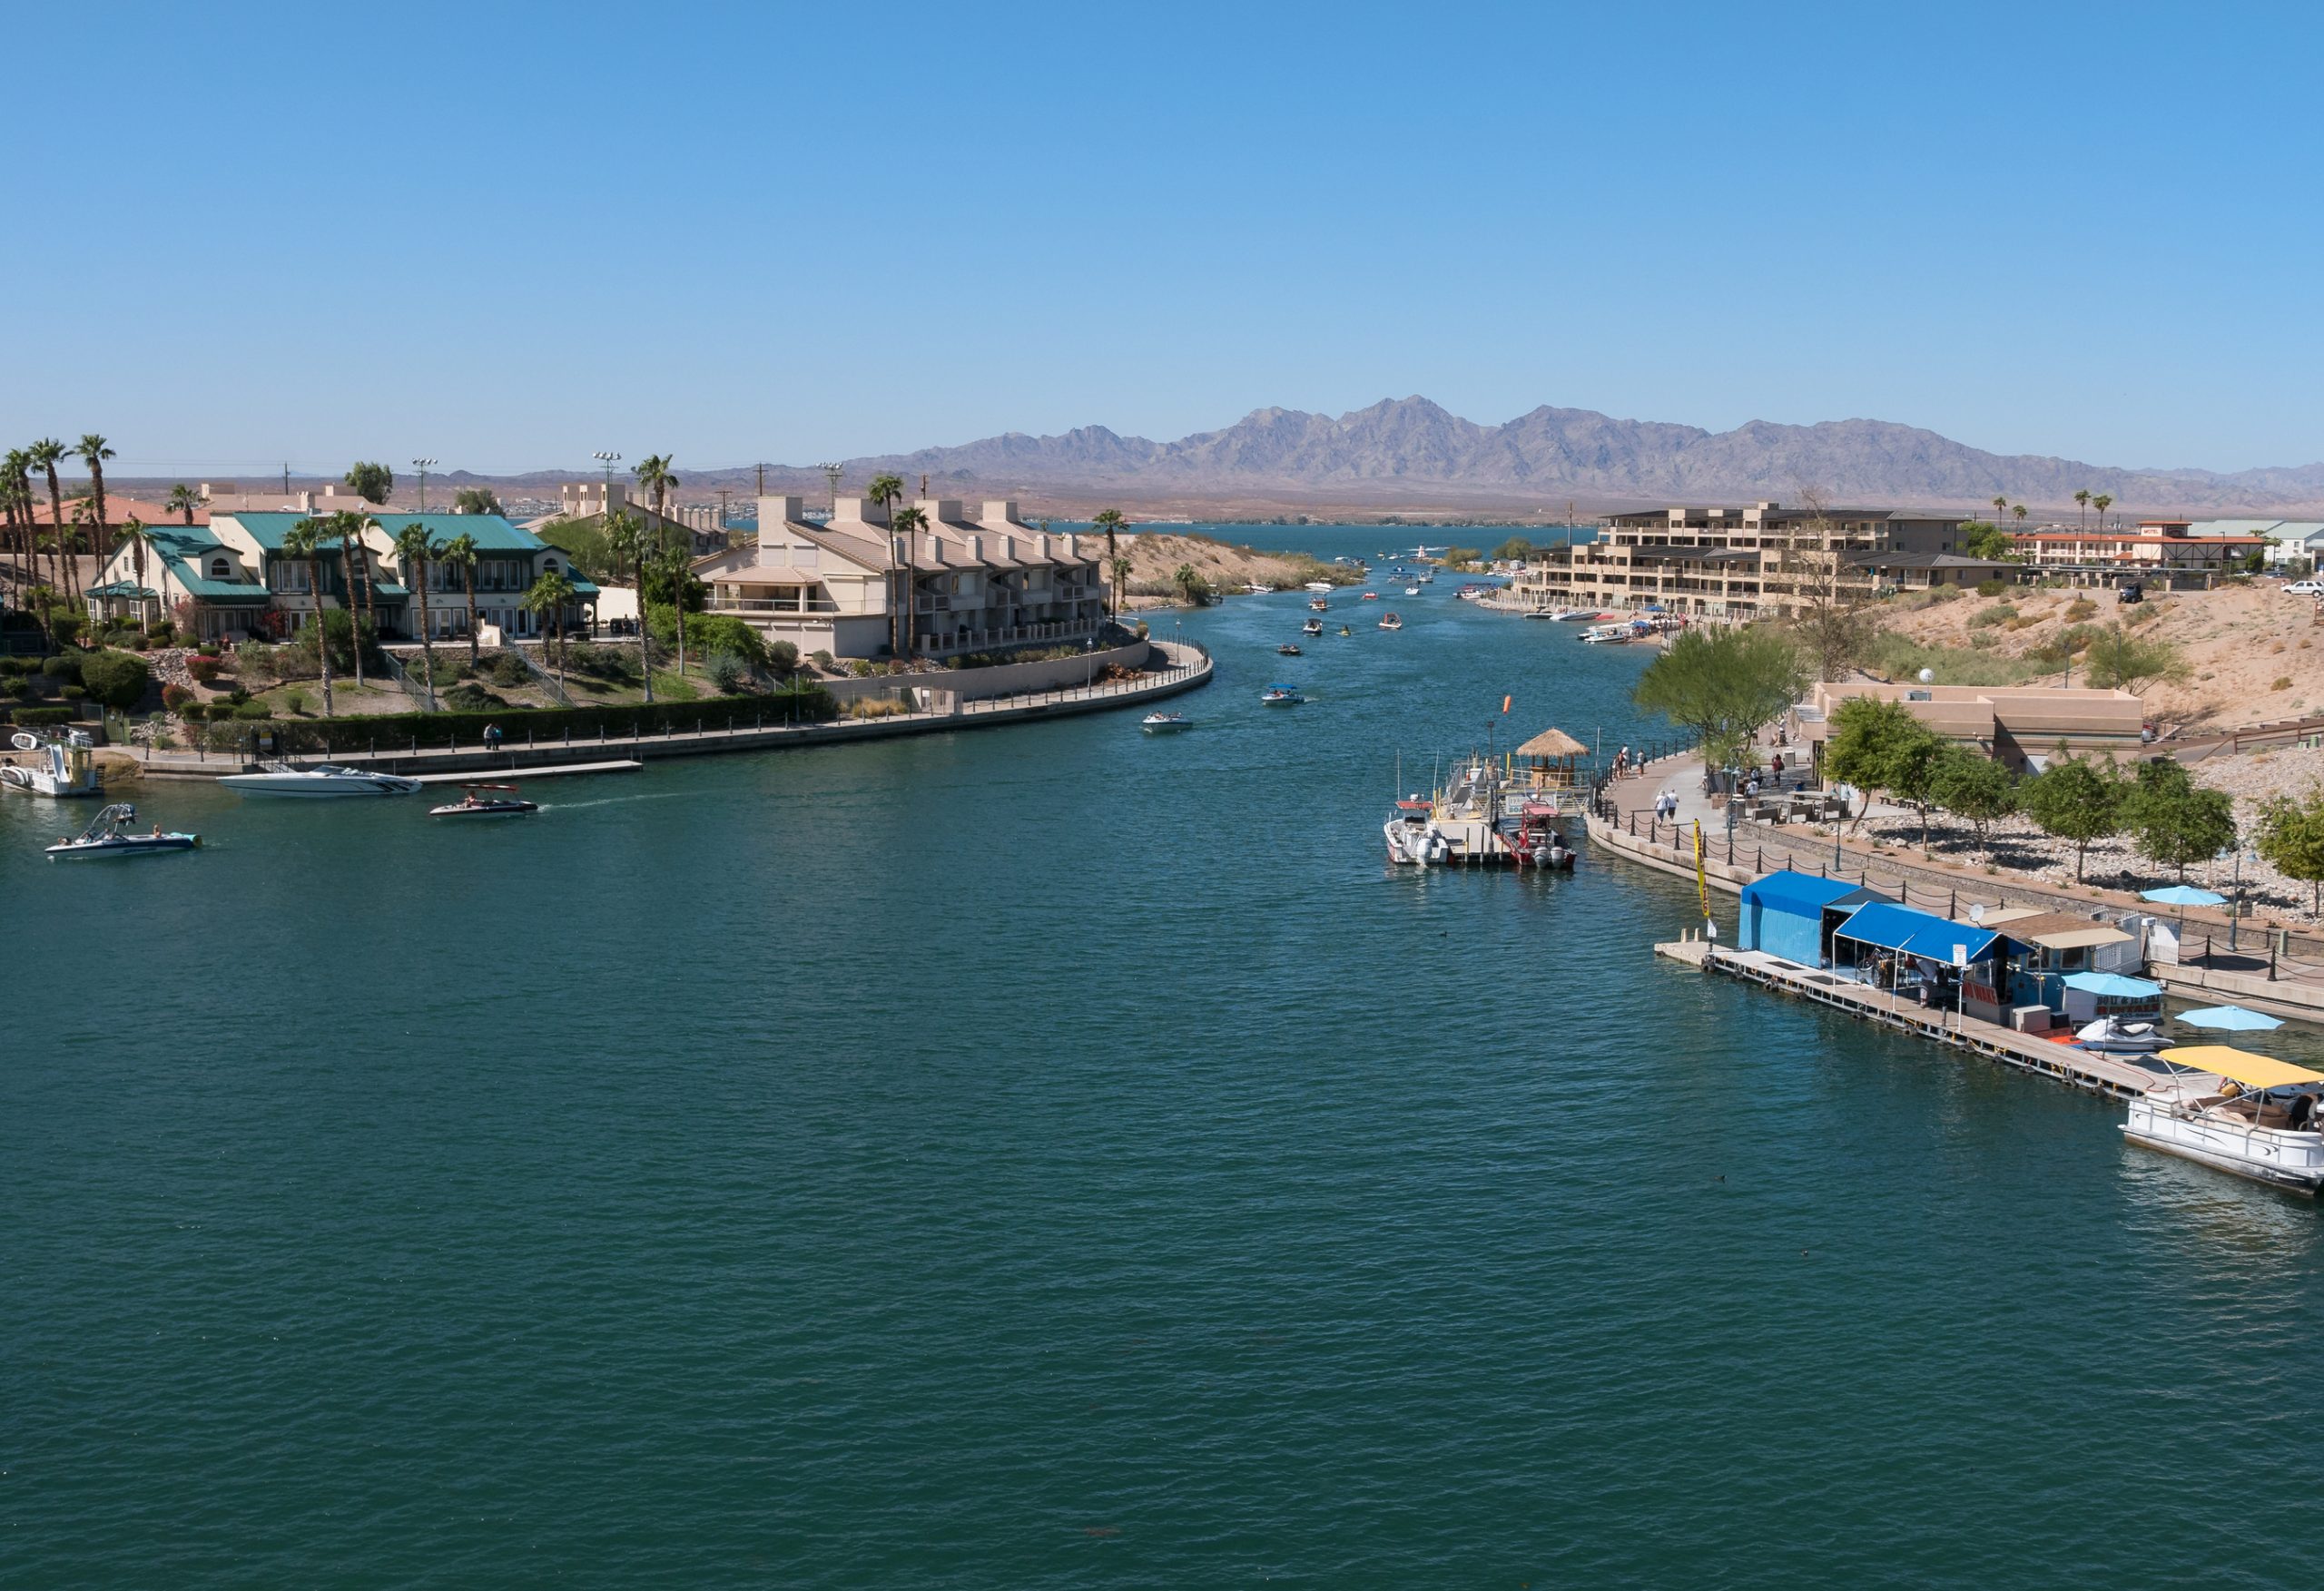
[(2060, 1063), (486, 775)]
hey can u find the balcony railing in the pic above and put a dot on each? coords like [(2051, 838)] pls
[(768, 604), (1008, 635)]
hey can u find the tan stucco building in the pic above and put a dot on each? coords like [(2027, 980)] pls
[(2020, 726)]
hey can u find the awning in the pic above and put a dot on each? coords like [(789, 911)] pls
[(2112, 983), (1799, 893), (2241, 1065), (1915, 933)]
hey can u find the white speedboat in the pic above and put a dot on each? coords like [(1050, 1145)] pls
[(109, 836), (324, 778), (1412, 591), (1165, 724), (67, 767), (1312, 627), (1322, 586), (2261, 1124), (1607, 635), (1391, 622), (1280, 696)]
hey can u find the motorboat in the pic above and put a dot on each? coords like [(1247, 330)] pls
[(1312, 627), (1552, 613), (324, 778), (2261, 1123), (1288, 649), (1254, 588), (1319, 585), (1165, 724), (1607, 635), (1427, 579), (1371, 596), (1320, 605), (2113, 1036), (109, 835), (1412, 591), (67, 768), (1391, 622), (485, 801), (1280, 696)]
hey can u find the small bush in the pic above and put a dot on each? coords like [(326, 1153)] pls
[(782, 656), (117, 679), (2283, 682), (205, 669), (253, 709), (508, 670), (2079, 609), (207, 649), (470, 697), (64, 665), (75, 694), (30, 716), (727, 672), (1992, 587), (2001, 613), (295, 703), (821, 660), (194, 712), (10, 664), (175, 697)]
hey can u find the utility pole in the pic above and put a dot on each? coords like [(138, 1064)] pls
[(286, 480), (923, 485), (722, 507), (762, 480)]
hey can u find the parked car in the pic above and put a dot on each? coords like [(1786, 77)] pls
[(2133, 592), (2305, 588)]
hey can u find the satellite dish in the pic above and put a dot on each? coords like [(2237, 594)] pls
[(1977, 914), (1928, 676)]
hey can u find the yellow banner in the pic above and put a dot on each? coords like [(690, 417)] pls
[(1702, 878)]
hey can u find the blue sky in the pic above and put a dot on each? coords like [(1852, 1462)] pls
[(508, 236)]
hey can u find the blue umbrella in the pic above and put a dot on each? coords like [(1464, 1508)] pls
[(2182, 894), (2229, 1019)]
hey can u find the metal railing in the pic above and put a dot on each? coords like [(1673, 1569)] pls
[(547, 680), (422, 696)]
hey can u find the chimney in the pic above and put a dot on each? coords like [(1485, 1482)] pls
[(999, 511), (1009, 549), (976, 548)]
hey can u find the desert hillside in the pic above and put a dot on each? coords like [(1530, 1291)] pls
[(1156, 559)]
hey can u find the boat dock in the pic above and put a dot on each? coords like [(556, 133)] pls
[(2110, 1075), (625, 765)]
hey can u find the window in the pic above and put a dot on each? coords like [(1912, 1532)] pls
[(220, 570), (548, 565)]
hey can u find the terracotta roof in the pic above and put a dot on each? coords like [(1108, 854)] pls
[(118, 510)]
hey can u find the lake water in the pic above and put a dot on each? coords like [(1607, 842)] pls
[(1047, 1156)]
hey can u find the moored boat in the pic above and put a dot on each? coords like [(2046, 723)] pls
[(2261, 1122), (1607, 635), (109, 835), (1319, 585), (67, 767), (324, 778)]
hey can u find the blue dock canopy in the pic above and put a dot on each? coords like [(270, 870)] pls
[(1799, 893), (1915, 933), (1783, 913)]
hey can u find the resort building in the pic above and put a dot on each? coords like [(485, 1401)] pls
[(230, 580), (587, 501), (2290, 541), (2163, 550), (972, 584), (1752, 562), (2021, 727)]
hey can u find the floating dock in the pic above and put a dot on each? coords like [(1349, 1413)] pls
[(485, 775), (2111, 1075)]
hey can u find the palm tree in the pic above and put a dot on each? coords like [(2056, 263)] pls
[(549, 594), (654, 474), (133, 533), (349, 529), (185, 500), (305, 541), (906, 522), (2000, 506), (1110, 521), (888, 490), (2081, 503), (626, 543), (674, 566), (460, 554), (46, 454), (2020, 511), (1120, 565), (413, 549), (2102, 501), (1185, 578), (93, 453)]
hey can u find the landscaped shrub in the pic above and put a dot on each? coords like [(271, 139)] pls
[(2001, 613), (175, 697), (10, 664), (470, 697), (727, 672), (294, 702), (194, 712), (207, 649), (822, 660), (781, 656), (806, 704), (117, 679), (29, 716), (205, 669), (510, 672), (253, 709), (75, 694), (64, 665)]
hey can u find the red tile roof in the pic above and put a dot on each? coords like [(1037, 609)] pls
[(118, 510)]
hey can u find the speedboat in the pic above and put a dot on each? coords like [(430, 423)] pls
[(1280, 696), (109, 836), (1319, 585), (485, 801), (324, 778), (1312, 627), (1288, 649), (67, 766), (1607, 635), (1371, 596), (1165, 724), (1427, 579), (1412, 591), (1545, 612), (2261, 1124), (2112, 1036), (1389, 621), (1320, 605)]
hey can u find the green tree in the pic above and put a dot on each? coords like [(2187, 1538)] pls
[(117, 679), (414, 549), (2291, 837), (907, 523), (1723, 685), (1111, 522), (1119, 566), (2076, 799), (45, 454), (674, 570), (2000, 506), (2174, 821), (138, 539), (1462, 557), (2102, 501), (347, 529), (374, 483), (305, 541), (476, 500), (548, 596), (2117, 658), (654, 478), (460, 554), (93, 451), (1981, 540), (2018, 511), (887, 491), (183, 501), (1877, 745), (2081, 506), (1977, 790), (1516, 549)]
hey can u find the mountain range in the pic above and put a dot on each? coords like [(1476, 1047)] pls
[(1413, 448)]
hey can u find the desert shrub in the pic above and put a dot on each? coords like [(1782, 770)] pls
[(254, 659), (117, 679), (2283, 682), (2079, 609), (822, 659), (175, 697), (1992, 587), (781, 656), (2001, 613), (508, 670)]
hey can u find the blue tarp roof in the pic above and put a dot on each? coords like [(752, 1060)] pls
[(1915, 933), (1799, 893), (2111, 983)]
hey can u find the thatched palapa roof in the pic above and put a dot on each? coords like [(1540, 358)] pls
[(1553, 742)]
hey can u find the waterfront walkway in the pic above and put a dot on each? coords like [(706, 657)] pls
[(1189, 667)]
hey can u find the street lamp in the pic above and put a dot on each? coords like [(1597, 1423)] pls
[(423, 466)]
